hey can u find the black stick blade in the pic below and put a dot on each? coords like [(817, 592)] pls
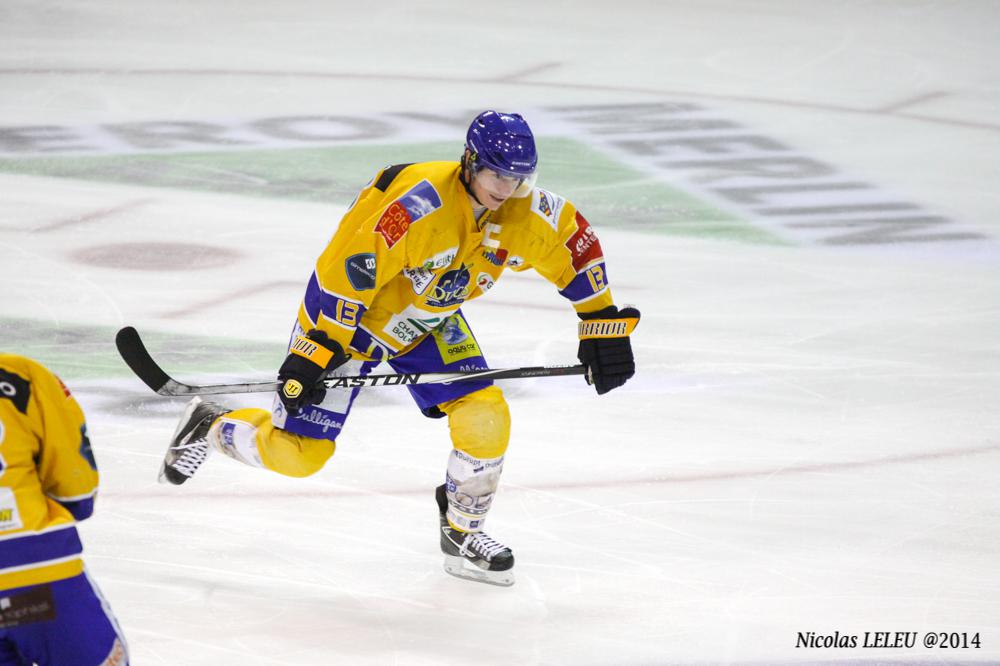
[(135, 355)]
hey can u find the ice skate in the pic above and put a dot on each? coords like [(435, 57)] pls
[(189, 446), (473, 555)]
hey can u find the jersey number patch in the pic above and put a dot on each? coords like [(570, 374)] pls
[(347, 313), (595, 275)]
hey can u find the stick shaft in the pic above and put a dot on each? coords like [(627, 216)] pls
[(138, 358)]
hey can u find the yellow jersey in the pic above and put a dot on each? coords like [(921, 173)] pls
[(409, 252), (48, 476)]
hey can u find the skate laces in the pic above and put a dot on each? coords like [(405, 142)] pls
[(194, 449), (481, 544), (191, 459)]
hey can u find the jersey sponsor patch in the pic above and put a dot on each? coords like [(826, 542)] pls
[(360, 269), (441, 259), (453, 331), (10, 519), (34, 605), (452, 288), (485, 282), (393, 224), (454, 340), (496, 258), (420, 277), (420, 200), (412, 323), (239, 439), (547, 206), (583, 245)]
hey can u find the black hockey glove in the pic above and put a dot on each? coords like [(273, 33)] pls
[(309, 359), (605, 347)]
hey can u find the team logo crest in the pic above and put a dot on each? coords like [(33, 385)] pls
[(543, 205), (452, 288), (547, 206)]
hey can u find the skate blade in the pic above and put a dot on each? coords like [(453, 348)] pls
[(460, 568)]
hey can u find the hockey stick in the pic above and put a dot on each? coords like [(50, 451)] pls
[(134, 352)]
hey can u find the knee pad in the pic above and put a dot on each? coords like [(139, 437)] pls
[(247, 435), (295, 455), (479, 423)]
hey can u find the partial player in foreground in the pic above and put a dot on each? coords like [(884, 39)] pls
[(420, 240), (51, 611)]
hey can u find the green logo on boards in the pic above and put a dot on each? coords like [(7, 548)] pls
[(291, 158), (666, 167)]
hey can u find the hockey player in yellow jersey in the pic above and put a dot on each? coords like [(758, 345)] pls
[(419, 241), (51, 612)]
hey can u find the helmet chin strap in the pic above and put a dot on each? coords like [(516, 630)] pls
[(472, 194), (467, 182)]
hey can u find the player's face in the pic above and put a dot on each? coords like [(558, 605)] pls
[(492, 189)]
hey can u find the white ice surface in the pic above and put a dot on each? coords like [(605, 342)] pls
[(812, 441)]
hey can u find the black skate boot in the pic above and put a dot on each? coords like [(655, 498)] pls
[(189, 446), (473, 555)]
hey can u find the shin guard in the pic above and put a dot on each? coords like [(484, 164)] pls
[(470, 485)]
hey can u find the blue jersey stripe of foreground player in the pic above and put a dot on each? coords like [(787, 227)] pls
[(419, 241)]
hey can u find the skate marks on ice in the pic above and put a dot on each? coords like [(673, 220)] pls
[(370, 596)]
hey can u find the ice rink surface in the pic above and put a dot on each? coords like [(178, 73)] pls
[(801, 197)]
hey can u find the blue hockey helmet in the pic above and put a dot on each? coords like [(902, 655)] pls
[(502, 142)]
